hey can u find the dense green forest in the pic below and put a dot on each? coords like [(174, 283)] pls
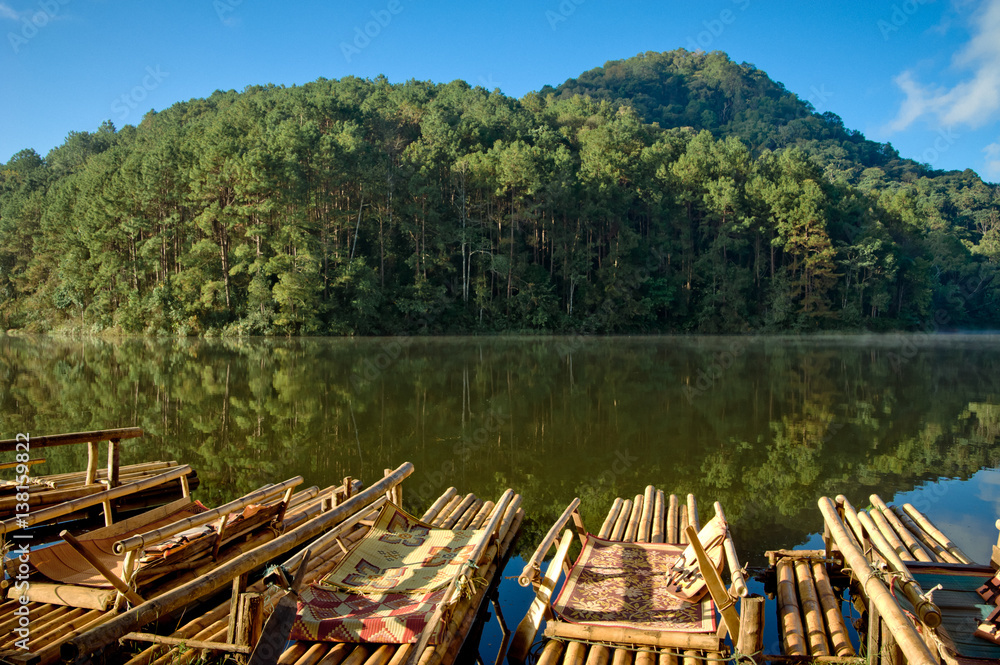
[(669, 192)]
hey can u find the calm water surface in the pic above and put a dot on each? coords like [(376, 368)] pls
[(764, 425)]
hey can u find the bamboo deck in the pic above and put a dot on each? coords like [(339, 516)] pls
[(811, 622), (651, 517), (52, 625), (450, 511)]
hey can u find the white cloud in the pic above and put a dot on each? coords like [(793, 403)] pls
[(974, 101), (6, 11), (992, 160)]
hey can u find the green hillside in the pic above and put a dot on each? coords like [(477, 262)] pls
[(672, 192)]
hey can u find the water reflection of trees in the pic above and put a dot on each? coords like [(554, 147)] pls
[(765, 426)]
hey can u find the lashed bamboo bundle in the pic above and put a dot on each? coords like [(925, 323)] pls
[(906, 636), (865, 530)]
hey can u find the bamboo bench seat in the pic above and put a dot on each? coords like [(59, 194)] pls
[(652, 521)]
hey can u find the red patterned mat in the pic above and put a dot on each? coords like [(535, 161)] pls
[(389, 584), (328, 615), (625, 584)]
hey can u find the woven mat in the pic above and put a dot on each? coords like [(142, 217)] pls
[(401, 554), (329, 615), (624, 584)]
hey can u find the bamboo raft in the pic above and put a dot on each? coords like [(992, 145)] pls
[(63, 612), (651, 517), (811, 622), (911, 582), (75, 495), (228, 627)]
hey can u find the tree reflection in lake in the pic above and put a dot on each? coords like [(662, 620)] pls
[(765, 425)]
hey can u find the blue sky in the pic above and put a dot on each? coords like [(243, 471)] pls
[(922, 74)]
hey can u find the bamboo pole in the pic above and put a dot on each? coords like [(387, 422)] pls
[(633, 520), (936, 533), (441, 502), (524, 637), (618, 533), (926, 610), (469, 514), (811, 611), (449, 522), (551, 653), (925, 539), (668, 658), (788, 611), (884, 528), (575, 652), (918, 551), (682, 523), (609, 521), (902, 629), (62, 509), (736, 577), (216, 579), (532, 569), (692, 506), (672, 520), (598, 654), (646, 520), (622, 657), (156, 535), (449, 598), (480, 517), (621, 635), (49, 440), (658, 519), (192, 644), (839, 637)]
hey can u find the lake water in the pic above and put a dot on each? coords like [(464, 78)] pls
[(764, 425)]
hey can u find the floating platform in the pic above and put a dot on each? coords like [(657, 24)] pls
[(915, 588), (652, 517), (229, 627)]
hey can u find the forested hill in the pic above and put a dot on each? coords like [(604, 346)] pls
[(681, 89), (682, 192)]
